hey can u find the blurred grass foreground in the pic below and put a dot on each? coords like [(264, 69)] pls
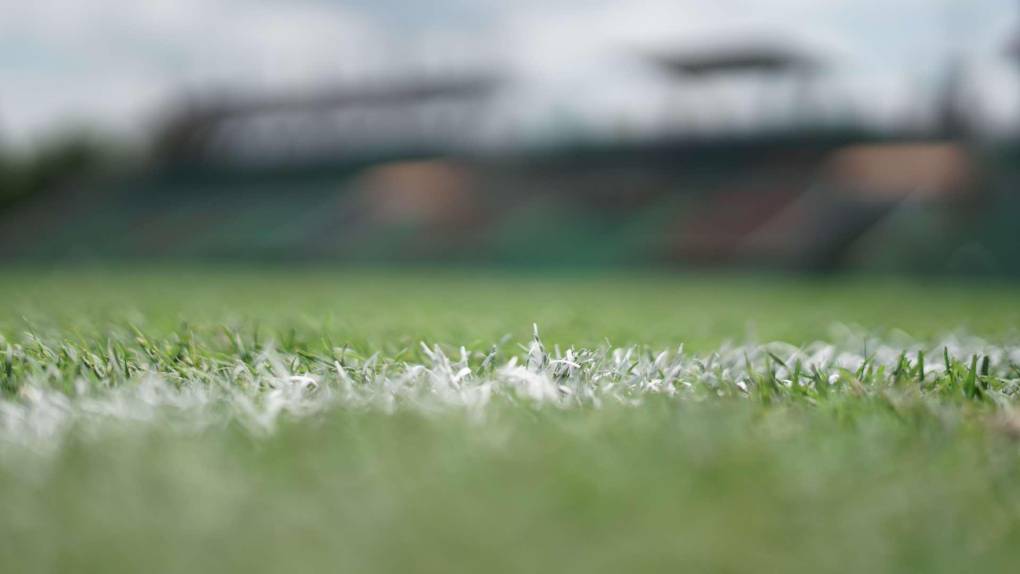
[(256, 421)]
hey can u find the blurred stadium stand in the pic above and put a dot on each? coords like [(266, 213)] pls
[(396, 173)]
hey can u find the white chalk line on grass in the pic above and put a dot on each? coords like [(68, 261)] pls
[(257, 394)]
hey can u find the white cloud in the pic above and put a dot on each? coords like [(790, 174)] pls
[(113, 62), (883, 58), (110, 62)]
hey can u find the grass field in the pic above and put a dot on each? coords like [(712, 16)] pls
[(293, 420)]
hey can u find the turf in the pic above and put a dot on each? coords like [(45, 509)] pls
[(259, 421), (378, 310)]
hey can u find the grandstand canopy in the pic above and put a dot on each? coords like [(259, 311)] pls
[(746, 58)]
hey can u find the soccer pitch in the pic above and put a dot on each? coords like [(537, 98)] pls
[(371, 421)]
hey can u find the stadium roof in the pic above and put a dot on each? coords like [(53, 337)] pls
[(228, 105), (762, 58), (188, 128)]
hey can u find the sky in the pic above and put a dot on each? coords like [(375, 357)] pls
[(114, 64)]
